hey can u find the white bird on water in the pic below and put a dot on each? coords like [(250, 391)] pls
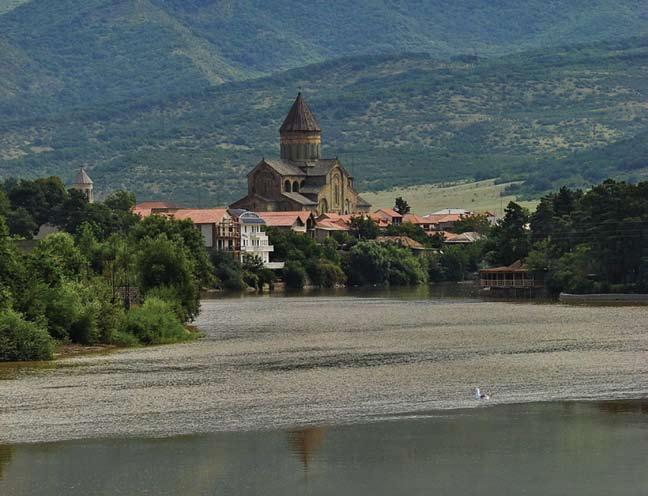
[(480, 396)]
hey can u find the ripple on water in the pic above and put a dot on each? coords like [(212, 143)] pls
[(288, 361)]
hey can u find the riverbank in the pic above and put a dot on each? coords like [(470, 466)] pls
[(539, 449)]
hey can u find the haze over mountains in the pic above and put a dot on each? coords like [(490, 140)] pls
[(154, 94)]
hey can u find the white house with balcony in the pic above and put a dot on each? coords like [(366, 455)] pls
[(254, 240)]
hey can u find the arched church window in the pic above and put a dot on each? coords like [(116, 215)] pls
[(296, 186), (287, 187)]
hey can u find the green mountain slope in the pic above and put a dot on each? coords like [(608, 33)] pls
[(90, 52), (560, 116)]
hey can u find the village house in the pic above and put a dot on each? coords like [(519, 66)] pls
[(220, 231), (254, 240), (386, 216), (301, 179), (300, 221), (326, 225)]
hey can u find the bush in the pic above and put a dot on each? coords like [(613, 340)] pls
[(23, 340), (294, 275), (165, 262), (228, 270), (155, 322), (325, 273)]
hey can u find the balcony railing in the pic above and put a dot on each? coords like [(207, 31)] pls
[(510, 283)]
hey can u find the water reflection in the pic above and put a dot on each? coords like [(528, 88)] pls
[(624, 407), (6, 452), (305, 443), (539, 449), (463, 291)]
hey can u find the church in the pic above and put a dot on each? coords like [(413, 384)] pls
[(301, 179)]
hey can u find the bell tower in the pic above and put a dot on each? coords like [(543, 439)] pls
[(300, 134), (85, 184)]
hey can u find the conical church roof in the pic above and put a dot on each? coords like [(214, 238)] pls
[(300, 118), (82, 177)]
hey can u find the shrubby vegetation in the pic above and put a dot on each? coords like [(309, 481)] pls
[(106, 278), (560, 116)]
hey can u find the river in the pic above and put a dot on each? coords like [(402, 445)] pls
[(393, 369)]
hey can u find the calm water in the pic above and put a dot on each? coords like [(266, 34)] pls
[(276, 364), (533, 449)]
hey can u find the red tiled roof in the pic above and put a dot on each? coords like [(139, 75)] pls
[(331, 225), (438, 218), (389, 212), (144, 209), (416, 219), (200, 215), (285, 219)]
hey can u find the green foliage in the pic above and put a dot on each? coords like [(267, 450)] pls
[(410, 230), (21, 223), (371, 263), (325, 273), (550, 116), (57, 258), (509, 240), (228, 271), (163, 262), (593, 241), (79, 288), (289, 245), (401, 206), (473, 223), (184, 235), (362, 227), (23, 340), (155, 322), (294, 275)]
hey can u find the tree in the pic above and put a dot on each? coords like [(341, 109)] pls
[(294, 275), (509, 239), (478, 223), (21, 223), (164, 262), (401, 206), (363, 228)]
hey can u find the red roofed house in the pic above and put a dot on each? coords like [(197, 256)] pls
[(418, 220), (144, 209), (219, 230), (387, 215), (300, 221), (327, 224)]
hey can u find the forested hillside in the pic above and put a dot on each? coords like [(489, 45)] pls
[(563, 116), (60, 53)]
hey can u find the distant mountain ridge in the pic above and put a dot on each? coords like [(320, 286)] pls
[(58, 53), (551, 117)]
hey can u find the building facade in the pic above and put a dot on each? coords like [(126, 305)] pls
[(254, 240), (301, 179)]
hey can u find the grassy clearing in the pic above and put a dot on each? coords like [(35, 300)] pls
[(477, 196)]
